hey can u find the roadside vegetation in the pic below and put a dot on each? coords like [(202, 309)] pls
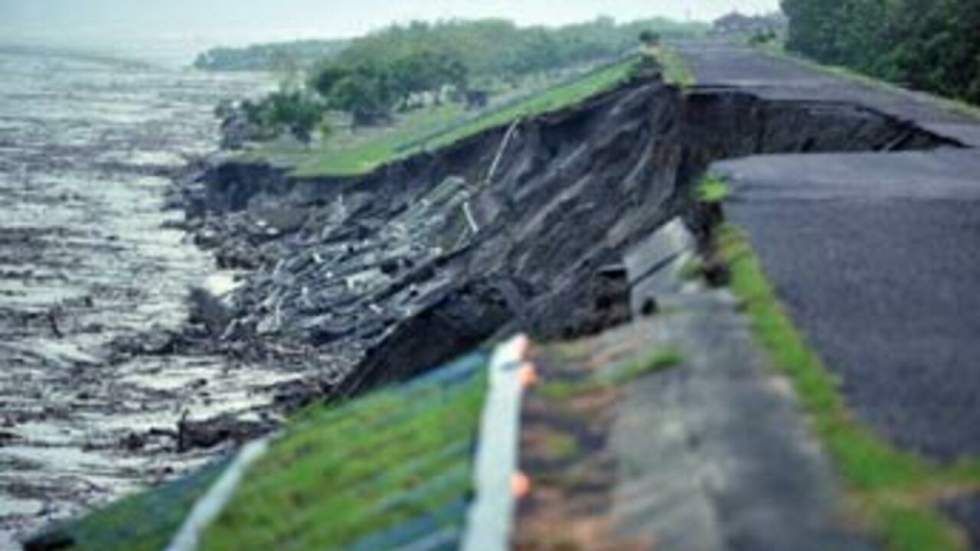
[(928, 46), (894, 492)]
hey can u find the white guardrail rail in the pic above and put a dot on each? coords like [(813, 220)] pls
[(490, 521)]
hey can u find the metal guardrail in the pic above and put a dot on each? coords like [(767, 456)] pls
[(489, 523), (485, 523), (444, 525)]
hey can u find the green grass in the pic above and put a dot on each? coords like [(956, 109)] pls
[(346, 473), (676, 70), (553, 99), (949, 104), (712, 189), (342, 155), (893, 489), (351, 154), (613, 376)]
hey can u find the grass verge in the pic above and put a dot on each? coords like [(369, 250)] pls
[(435, 128), (893, 490)]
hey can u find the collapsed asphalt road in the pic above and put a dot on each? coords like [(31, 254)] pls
[(876, 255)]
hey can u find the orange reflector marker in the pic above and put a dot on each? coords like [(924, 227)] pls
[(528, 375), (520, 485)]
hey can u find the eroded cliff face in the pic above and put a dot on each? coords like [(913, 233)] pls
[(519, 227)]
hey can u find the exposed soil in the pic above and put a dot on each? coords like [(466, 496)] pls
[(399, 270)]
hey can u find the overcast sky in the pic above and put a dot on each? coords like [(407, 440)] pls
[(207, 22)]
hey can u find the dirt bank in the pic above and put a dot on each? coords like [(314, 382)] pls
[(519, 226)]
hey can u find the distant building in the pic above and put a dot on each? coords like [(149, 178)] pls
[(735, 23)]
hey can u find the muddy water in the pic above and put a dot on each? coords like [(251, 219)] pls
[(86, 150)]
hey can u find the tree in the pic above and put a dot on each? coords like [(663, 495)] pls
[(369, 88), (649, 38), (925, 44), (325, 76), (294, 111), (365, 94), (814, 25)]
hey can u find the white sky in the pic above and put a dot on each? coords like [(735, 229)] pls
[(209, 22)]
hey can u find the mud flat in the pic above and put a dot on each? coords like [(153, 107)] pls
[(92, 283)]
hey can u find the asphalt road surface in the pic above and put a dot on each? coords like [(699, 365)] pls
[(875, 255)]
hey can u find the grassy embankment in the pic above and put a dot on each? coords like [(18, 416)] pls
[(364, 470), (892, 491), (430, 129)]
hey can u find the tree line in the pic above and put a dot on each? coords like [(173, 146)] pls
[(930, 45)]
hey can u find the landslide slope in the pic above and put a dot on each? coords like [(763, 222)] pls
[(523, 225)]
